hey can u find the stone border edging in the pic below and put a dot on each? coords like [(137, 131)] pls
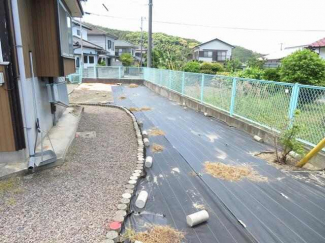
[(123, 208)]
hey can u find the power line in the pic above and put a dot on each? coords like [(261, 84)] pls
[(212, 26)]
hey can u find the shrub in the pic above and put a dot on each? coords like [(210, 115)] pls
[(193, 67), (303, 66), (272, 74), (253, 73), (126, 59), (289, 140), (233, 65), (211, 68)]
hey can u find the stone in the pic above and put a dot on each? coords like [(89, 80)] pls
[(125, 200), (258, 139), (126, 195), (129, 186), (118, 218), (122, 206), (128, 191), (111, 235), (132, 182), (121, 212)]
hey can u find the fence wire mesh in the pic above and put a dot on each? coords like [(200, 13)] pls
[(265, 103)]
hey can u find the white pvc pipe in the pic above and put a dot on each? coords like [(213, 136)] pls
[(142, 199), (197, 218), (24, 85), (148, 162)]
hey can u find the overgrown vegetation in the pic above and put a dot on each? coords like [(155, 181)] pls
[(288, 140), (126, 59)]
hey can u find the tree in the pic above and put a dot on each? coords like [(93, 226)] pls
[(272, 74), (254, 62), (303, 66), (193, 67), (126, 59), (243, 54), (233, 65)]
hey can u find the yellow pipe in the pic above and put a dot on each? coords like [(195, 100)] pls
[(312, 153)]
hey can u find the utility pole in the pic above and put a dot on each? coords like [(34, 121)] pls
[(149, 55), (141, 55)]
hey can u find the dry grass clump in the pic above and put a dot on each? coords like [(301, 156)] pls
[(156, 234), (156, 132), (157, 148), (233, 173), (134, 109), (133, 86), (145, 109), (122, 98), (10, 185)]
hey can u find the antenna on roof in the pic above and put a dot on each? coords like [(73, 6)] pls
[(105, 7)]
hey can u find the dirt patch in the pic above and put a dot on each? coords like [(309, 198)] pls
[(232, 172), (156, 234), (156, 148), (91, 93), (270, 158), (122, 98), (133, 86), (156, 132)]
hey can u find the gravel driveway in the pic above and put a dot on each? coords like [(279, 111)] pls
[(73, 202)]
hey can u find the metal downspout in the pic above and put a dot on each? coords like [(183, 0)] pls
[(24, 84)]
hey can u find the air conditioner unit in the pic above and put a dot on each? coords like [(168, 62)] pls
[(58, 93)]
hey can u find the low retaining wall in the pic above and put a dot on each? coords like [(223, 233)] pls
[(266, 135), (113, 81)]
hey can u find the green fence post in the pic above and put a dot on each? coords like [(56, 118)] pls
[(160, 77), (183, 83), (293, 101), (202, 88), (170, 80), (233, 96), (95, 72), (119, 72)]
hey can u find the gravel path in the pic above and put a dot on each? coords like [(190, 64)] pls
[(73, 202)]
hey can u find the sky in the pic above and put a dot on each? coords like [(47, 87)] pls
[(204, 20)]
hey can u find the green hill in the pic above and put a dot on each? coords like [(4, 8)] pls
[(170, 52)]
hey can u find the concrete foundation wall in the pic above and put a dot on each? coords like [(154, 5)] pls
[(252, 129), (113, 81)]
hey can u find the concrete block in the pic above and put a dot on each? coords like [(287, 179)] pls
[(258, 139), (126, 195), (125, 200)]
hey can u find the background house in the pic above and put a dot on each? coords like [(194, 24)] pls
[(122, 46), (318, 47), (273, 60), (213, 51), (37, 53), (106, 41)]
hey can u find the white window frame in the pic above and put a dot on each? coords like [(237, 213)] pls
[(71, 34), (208, 54)]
